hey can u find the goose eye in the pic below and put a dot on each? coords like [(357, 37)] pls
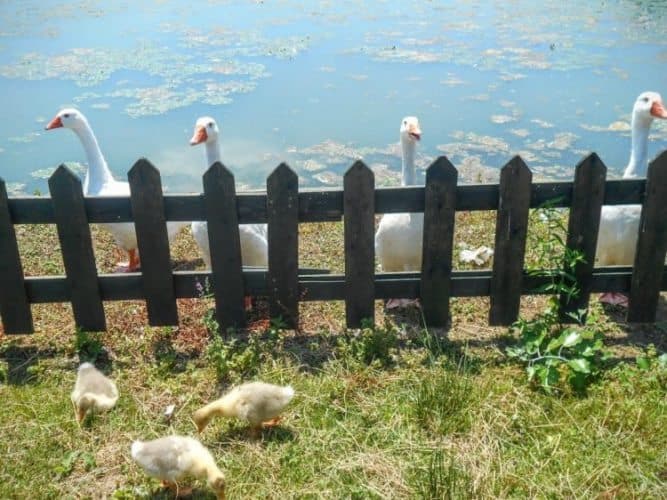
[(645, 99), (405, 122), (210, 125), (66, 115)]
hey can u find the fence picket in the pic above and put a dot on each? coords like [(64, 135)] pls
[(651, 245), (225, 246), (153, 242), (282, 192), (438, 239), (583, 225), (359, 236), (510, 247), (14, 303), (77, 249)]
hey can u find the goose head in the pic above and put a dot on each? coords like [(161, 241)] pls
[(206, 130), (411, 132), (68, 118), (648, 106)]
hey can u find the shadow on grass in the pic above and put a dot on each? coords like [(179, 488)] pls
[(20, 361), (277, 434)]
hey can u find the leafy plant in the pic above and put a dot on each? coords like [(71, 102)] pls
[(551, 350), (369, 345), (236, 359), (88, 345), (67, 464)]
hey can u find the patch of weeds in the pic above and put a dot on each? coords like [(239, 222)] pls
[(165, 353), (654, 365), (370, 345), (237, 359), (444, 479), (88, 346), (67, 464), (442, 402), (553, 351)]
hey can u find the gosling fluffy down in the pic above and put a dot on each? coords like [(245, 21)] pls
[(93, 391), (172, 458), (256, 402)]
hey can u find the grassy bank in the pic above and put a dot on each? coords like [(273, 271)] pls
[(394, 412)]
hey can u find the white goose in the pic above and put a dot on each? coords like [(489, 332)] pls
[(100, 182), (619, 224), (254, 245), (398, 240)]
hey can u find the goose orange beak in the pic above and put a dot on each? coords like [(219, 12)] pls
[(658, 110), (199, 136), (55, 123)]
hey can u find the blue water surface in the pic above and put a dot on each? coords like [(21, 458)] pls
[(321, 84)]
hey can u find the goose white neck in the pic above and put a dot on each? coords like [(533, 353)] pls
[(212, 152), (408, 176), (98, 173), (638, 163)]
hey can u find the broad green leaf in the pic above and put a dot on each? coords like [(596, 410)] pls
[(643, 363), (571, 338), (555, 344), (580, 365)]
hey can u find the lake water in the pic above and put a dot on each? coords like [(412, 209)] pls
[(321, 85)]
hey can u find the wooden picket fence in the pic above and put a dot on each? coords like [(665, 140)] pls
[(283, 207)]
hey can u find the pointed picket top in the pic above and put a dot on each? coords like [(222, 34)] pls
[(143, 171), (218, 173), (517, 165), (359, 169), (442, 170), (63, 175), (593, 162), (282, 173)]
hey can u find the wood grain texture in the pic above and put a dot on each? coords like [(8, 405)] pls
[(225, 246), (283, 218), (651, 245), (510, 247), (437, 247), (77, 249), (14, 303), (583, 226), (150, 224), (359, 235)]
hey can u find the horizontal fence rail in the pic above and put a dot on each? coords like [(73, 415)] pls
[(283, 207)]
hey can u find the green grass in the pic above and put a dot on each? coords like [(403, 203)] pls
[(390, 412)]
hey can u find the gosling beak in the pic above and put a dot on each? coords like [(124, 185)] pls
[(55, 123), (199, 136), (220, 495), (658, 110), (415, 133), (80, 414)]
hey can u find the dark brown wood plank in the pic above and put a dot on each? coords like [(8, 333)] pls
[(510, 247), (439, 212), (225, 245), (651, 246), (77, 249), (14, 305), (149, 221), (320, 206), (282, 188), (582, 230), (359, 234)]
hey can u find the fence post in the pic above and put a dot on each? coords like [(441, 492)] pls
[(359, 235), (438, 238), (77, 249), (282, 191), (510, 247), (14, 305), (225, 246), (651, 245), (153, 242), (582, 229)]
